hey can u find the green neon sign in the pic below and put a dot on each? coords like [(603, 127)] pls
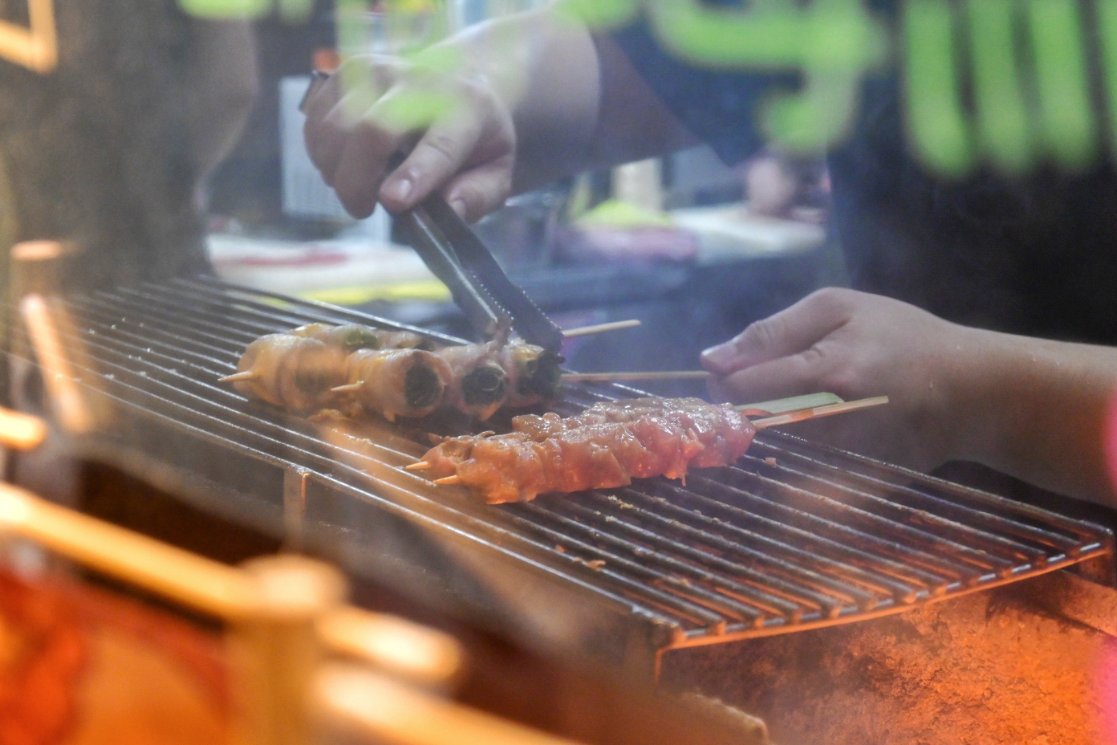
[(997, 83), (292, 11)]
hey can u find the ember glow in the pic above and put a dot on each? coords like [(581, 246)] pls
[(1106, 681)]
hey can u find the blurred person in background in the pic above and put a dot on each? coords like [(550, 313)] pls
[(110, 149), (981, 305)]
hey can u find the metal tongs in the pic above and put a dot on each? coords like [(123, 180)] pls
[(492, 303)]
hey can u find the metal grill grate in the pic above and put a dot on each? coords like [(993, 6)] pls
[(794, 536)]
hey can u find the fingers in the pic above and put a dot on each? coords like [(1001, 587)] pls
[(786, 376), (436, 157), (789, 332), (459, 140), (475, 193), (350, 142), (361, 163)]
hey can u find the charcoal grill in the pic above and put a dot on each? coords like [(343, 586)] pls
[(794, 536)]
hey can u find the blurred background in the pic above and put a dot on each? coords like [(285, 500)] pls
[(693, 249)]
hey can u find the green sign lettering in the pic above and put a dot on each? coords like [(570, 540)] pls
[(1003, 83)]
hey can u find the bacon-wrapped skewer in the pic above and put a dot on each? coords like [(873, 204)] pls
[(606, 446), (479, 385), (533, 374), (476, 379), (293, 372), (396, 382)]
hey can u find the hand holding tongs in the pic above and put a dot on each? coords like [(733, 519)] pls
[(490, 300)]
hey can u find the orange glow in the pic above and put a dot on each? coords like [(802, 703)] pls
[(1105, 680)]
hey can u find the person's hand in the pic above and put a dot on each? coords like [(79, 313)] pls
[(366, 113), (855, 345)]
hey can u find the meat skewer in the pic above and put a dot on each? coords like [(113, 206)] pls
[(396, 382), (606, 446), (475, 379), (479, 385), (293, 372), (352, 336), (534, 374)]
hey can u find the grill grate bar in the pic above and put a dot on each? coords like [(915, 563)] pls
[(690, 563), (665, 566), (879, 551), (859, 526), (793, 535), (1017, 539), (728, 548), (785, 542)]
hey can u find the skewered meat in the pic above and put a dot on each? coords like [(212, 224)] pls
[(294, 372), (396, 382), (479, 384), (606, 446), (533, 373), (476, 379)]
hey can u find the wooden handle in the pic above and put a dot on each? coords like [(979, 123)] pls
[(200, 583), (352, 705), (21, 431)]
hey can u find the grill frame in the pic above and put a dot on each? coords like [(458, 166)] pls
[(794, 536)]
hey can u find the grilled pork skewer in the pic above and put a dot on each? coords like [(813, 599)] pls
[(475, 379), (534, 375), (479, 386), (606, 446), (531, 374), (293, 372), (595, 449), (396, 382)]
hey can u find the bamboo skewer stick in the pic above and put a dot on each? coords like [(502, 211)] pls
[(598, 328), (817, 412), (239, 377)]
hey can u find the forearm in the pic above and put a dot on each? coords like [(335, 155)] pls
[(1037, 409)]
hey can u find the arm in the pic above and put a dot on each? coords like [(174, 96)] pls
[(1043, 411), (537, 97), (1032, 408)]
